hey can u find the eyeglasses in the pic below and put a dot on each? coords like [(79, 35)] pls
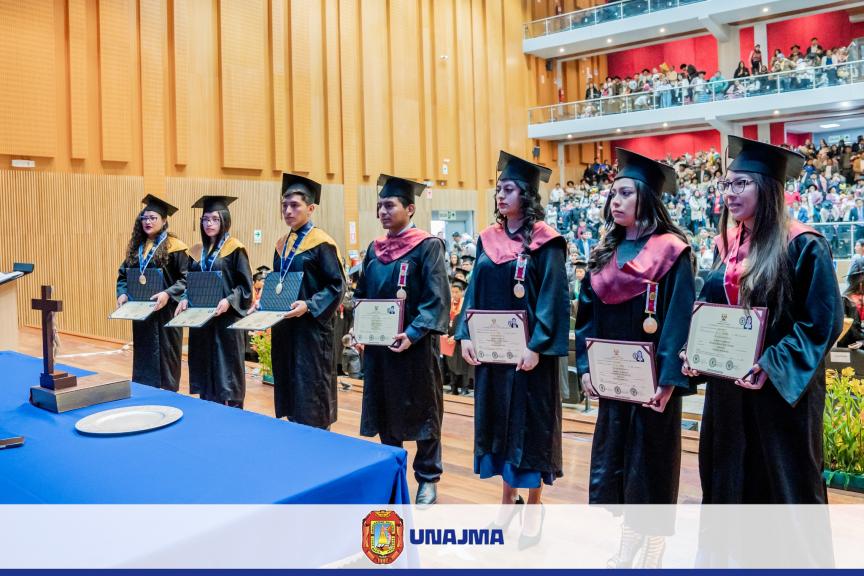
[(735, 187), (206, 221), (148, 218)]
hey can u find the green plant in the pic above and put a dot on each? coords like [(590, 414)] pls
[(843, 425), (261, 344)]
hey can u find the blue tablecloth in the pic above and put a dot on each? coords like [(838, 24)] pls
[(213, 455)]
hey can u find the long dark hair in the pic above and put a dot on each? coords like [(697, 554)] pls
[(139, 237), (224, 228), (766, 278), (650, 213), (532, 211)]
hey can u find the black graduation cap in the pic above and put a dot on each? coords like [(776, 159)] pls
[(459, 282), (263, 270), (580, 264), (856, 269), (658, 176), (395, 186), (467, 257), (155, 204), (301, 184), (464, 271), (213, 203), (514, 168), (761, 158)]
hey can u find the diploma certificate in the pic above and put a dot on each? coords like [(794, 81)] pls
[(377, 322), (622, 370), (260, 320), (134, 311), (725, 341), (498, 336), (192, 318)]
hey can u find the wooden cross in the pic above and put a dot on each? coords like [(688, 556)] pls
[(49, 378)]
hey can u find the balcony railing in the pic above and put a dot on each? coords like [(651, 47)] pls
[(600, 14), (841, 236), (668, 96)]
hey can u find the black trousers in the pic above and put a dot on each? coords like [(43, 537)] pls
[(427, 461)]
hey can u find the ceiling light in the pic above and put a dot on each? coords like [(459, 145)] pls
[(608, 40), (665, 124), (846, 104), (831, 125), (617, 130), (776, 112), (662, 30), (766, 9), (561, 50), (569, 135)]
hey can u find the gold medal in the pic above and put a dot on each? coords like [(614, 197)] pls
[(401, 294), (519, 290), (650, 325), (279, 288), (142, 279)]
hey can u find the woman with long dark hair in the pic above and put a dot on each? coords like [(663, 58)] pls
[(517, 410), (853, 307), (216, 353), (639, 288), (761, 438), (156, 349)]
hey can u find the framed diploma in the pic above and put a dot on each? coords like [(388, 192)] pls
[(498, 336), (725, 341), (192, 318), (377, 322), (134, 311), (622, 370)]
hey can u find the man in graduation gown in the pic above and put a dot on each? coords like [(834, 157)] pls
[(402, 383), (157, 356), (302, 344)]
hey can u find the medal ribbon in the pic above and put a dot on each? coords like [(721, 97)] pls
[(521, 265), (283, 267), (150, 254), (403, 274), (207, 265), (651, 297)]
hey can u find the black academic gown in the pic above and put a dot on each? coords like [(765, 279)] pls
[(856, 330), (517, 415), (302, 348), (636, 452), (157, 350), (216, 353), (403, 392), (765, 446)]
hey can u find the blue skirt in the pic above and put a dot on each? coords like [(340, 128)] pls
[(490, 465)]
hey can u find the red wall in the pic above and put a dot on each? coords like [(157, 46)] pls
[(778, 133), (798, 139), (700, 51), (832, 28), (745, 38), (676, 144), (751, 131)]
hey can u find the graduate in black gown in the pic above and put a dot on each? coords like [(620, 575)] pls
[(458, 370), (156, 349), (216, 353), (761, 437), (517, 409), (402, 383), (853, 307), (644, 257), (302, 344)]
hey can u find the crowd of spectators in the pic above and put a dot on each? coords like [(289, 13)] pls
[(664, 86)]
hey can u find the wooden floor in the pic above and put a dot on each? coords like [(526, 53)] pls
[(458, 485)]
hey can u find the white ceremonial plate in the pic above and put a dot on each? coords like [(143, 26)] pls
[(128, 420)]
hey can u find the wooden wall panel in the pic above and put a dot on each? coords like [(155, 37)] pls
[(351, 110), (465, 92), (446, 103), (302, 38), (28, 97), (116, 59), (406, 71), (153, 67), (77, 17), (280, 94), (180, 81), (377, 145), (244, 103), (333, 114)]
